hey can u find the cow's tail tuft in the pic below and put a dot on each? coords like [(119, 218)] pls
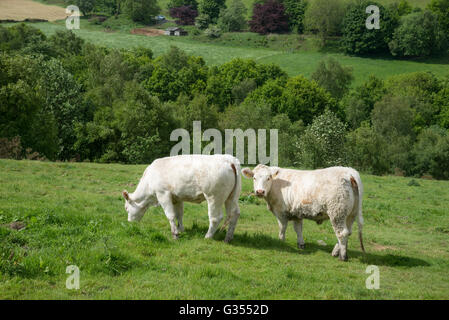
[(358, 195)]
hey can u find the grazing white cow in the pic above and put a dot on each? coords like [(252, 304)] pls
[(194, 178), (333, 193)]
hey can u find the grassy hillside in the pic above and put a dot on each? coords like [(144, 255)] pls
[(74, 214), (303, 60)]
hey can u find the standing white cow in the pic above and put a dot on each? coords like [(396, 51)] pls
[(333, 193), (194, 178)]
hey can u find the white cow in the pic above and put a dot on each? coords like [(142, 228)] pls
[(333, 193), (194, 178)]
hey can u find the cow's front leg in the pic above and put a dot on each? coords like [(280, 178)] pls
[(283, 222), (179, 209), (297, 224), (215, 216), (166, 202)]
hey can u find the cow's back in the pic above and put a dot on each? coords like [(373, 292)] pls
[(190, 176)]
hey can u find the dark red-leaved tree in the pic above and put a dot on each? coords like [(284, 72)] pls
[(269, 17), (184, 15)]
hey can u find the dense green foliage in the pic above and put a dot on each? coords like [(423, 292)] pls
[(419, 34), (232, 19), (114, 105), (357, 38)]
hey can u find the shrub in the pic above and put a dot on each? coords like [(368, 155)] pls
[(419, 34), (323, 142), (269, 17), (213, 32), (185, 15), (357, 39)]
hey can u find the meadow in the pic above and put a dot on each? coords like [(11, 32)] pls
[(73, 214)]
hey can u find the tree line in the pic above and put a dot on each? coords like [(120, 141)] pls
[(64, 99), (404, 31)]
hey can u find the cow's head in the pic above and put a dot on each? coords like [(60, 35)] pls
[(135, 210), (262, 176)]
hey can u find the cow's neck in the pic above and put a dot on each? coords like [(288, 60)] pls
[(141, 195)]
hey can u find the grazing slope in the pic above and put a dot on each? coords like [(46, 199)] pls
[(73, 214)]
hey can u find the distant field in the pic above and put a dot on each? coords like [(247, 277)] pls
[(23, 9), (74, 214), (296, 62)]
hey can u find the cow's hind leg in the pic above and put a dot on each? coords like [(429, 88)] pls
[(342, 233), (215, 216), (166, 202), (179, 210), (232, 215)]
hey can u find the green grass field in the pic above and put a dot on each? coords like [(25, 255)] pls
[(303, 60), (74, 215)]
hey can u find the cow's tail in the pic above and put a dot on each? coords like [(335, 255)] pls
[(235, 193), (357, 187)]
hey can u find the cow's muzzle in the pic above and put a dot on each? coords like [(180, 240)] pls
[(260, 193)]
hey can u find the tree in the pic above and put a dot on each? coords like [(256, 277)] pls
[(269, 17), (357, 38), (323, 142), (392, 118), (295, 10), (211, 9), (141, 10), (232, 19), (333, 77), (304, 99), (441, 9), (180, 3), (325, 17), (418, 35), (85, 6), (364, 149), (223, 79), (185, 15), (431, 153), (359, 103)]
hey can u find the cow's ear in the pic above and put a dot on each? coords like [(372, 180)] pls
[(247, 172), (125, 195), (274, 172)]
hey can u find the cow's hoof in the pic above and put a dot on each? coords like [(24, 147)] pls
[(301, 246), (343, 258), (336, 251), (227, 240), (175, 236)]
